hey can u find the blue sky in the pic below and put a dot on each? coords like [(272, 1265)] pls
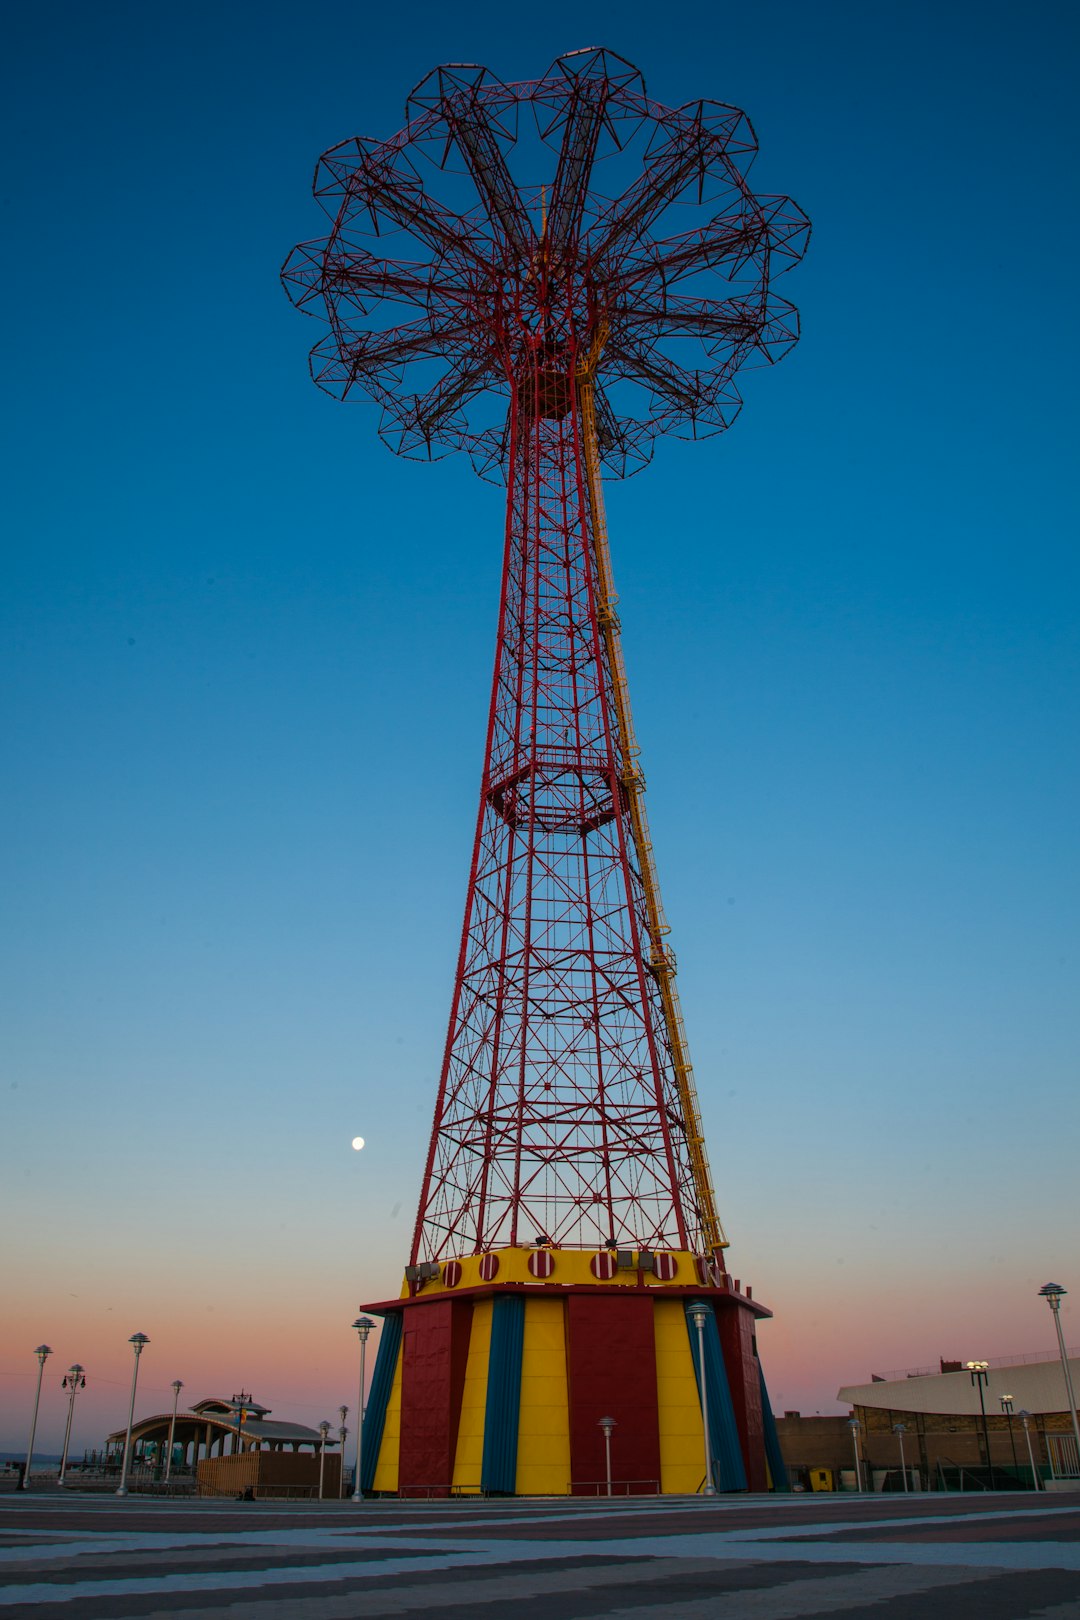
[(246, 655)]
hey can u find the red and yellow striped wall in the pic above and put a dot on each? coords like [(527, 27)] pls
[(494, 1371)]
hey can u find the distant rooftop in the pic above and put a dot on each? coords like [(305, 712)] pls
[(1024, 1360)]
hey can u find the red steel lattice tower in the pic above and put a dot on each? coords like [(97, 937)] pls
[(552, 331)]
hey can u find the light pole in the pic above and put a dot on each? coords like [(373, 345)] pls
[(324, 1430), (698, 1314), (1024, 1416), (1053, 1293), (900, 1429), (1007, 1408), (74, 1378), (853, 1425), (41, 1352), (363, 1326), (241, 1401), (176, 1388), (136, 1341), (607, 1424), (979, 1375), (343, 1412)]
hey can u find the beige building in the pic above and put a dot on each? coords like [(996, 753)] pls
[(946, 1437)]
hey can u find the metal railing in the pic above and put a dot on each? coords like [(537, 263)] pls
[(1062, 1454), (429, 1491), (619, 1487), (1029, 1358), (960, 1469)]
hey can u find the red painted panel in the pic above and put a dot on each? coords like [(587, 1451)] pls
[(434, 1353), (611, 1367), (736, 1326)]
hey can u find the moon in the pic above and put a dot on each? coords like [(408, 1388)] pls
[(358, 1142)]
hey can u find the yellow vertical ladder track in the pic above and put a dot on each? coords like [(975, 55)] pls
[(661, 958)]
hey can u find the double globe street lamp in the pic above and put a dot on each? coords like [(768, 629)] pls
[(343, 1412), (74, 1379)]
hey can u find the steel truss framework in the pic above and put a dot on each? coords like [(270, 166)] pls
[(548, 337)]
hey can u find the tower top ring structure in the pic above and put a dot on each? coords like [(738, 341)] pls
[(567, 223)]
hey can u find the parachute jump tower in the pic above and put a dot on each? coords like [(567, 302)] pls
[(567, 1226)]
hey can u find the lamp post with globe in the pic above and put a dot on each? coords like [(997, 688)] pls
[(607, 1424), (324, 1430), (1053, 1293), (1007, 1408), (42, 1351), (177, 1386), (1024, 1417), (900, 1429), (137, 1341), (854, 1425), (363, 1326), (699, 1315)]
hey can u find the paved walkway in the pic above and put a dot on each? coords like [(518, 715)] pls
[(995, 1557)]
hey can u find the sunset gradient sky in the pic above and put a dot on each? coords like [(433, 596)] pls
[(247, 654)]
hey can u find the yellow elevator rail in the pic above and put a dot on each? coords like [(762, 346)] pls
[(661, 959)]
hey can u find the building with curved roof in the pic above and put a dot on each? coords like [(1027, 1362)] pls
[(213, 1427)]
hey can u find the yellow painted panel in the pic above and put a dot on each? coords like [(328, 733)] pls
[(469, 1455), (386, 1470), (571, 1266), (682, 1440), (543, 1461)]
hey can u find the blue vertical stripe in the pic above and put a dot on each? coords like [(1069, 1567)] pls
[(729, 1474), (498, 1470), (773, 1455), (379, 1399)]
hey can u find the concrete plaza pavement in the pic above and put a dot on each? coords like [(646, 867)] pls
[(993, 1557)]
